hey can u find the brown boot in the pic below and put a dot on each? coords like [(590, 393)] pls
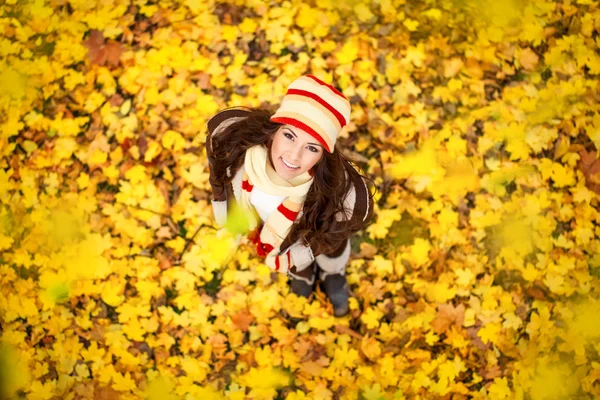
[(302, 282), (336, 288)]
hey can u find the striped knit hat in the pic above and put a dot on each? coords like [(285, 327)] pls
[(317, 108)]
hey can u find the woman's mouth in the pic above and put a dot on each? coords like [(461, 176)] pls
[(289, 166)]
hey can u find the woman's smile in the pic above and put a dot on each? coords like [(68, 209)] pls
[(294, 152), (288, 165)]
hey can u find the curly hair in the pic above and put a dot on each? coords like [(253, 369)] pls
[(325, 224)]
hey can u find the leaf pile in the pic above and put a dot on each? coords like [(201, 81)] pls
[(478, 120)]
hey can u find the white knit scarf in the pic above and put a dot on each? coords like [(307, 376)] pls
[(259, 172)]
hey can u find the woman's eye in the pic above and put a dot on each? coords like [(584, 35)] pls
[(313, 149), (288, 135)]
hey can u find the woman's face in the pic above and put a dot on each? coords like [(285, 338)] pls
[(294, 152)]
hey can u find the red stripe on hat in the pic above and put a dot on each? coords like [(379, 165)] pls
[(322, 102), (247, 186), (314, 78), (289, 214), (303, 126), (277, 263)]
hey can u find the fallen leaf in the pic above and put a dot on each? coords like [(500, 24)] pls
[(448, 315), (452, 67), (370, 347), (101, 52), (367, 250), (590, 166), (528, 59), (242, 320)]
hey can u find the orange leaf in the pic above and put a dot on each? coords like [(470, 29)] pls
[(242, 320), (446, 316), (101, 52), (528, 59), (590, 166), (370, 348)]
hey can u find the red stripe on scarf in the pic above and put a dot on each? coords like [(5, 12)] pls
[(247, 186), (289, 214), (263, 248), (277, 263)]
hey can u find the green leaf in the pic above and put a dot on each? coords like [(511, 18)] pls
[(238, 220), (373, 393)]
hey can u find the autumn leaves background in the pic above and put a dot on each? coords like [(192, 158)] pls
[(478, 120)]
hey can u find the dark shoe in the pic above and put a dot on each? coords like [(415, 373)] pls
[(336, 288), (299, 287)]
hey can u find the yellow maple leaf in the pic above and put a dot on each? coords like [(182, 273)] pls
[(411, 24), (499, 389), (373, 392), (111, 293), (419, 252), (348, 52), (490, 332), (173, 140), (381, 266), (248, 25), (14, 371), (305, 18), (265, 378), (371, 317), (12, 83), (363, 12)]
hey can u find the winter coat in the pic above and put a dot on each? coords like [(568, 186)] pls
[(357, 203)]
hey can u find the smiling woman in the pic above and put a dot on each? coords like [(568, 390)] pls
[(294, 152), (304, 197)]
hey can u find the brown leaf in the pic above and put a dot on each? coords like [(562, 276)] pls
[(475, 339), (101, 52), (302, 348), (529, 59), (370, 347), (164, 232), (164, 188), (311, 368), (164, 261), (536, 292), (142, 144), (452, 67), (401, 315), (202, 80), (474, 68), (367, 250), (243, 320), (106, 393), (341, 329), (492, 372), (589, 164), (116, 100), (562, 147), (446, 316), (161, 355)]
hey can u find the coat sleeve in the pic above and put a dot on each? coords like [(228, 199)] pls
[(301, 255), (216, 126), (358, 207)]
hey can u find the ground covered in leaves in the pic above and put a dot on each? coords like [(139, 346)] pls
[(479, 278)]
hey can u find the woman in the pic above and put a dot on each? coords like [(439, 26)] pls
[(305, 197)]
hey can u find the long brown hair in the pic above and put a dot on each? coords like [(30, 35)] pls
[(334, 177)]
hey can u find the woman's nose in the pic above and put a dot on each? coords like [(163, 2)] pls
[(296, 153)]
